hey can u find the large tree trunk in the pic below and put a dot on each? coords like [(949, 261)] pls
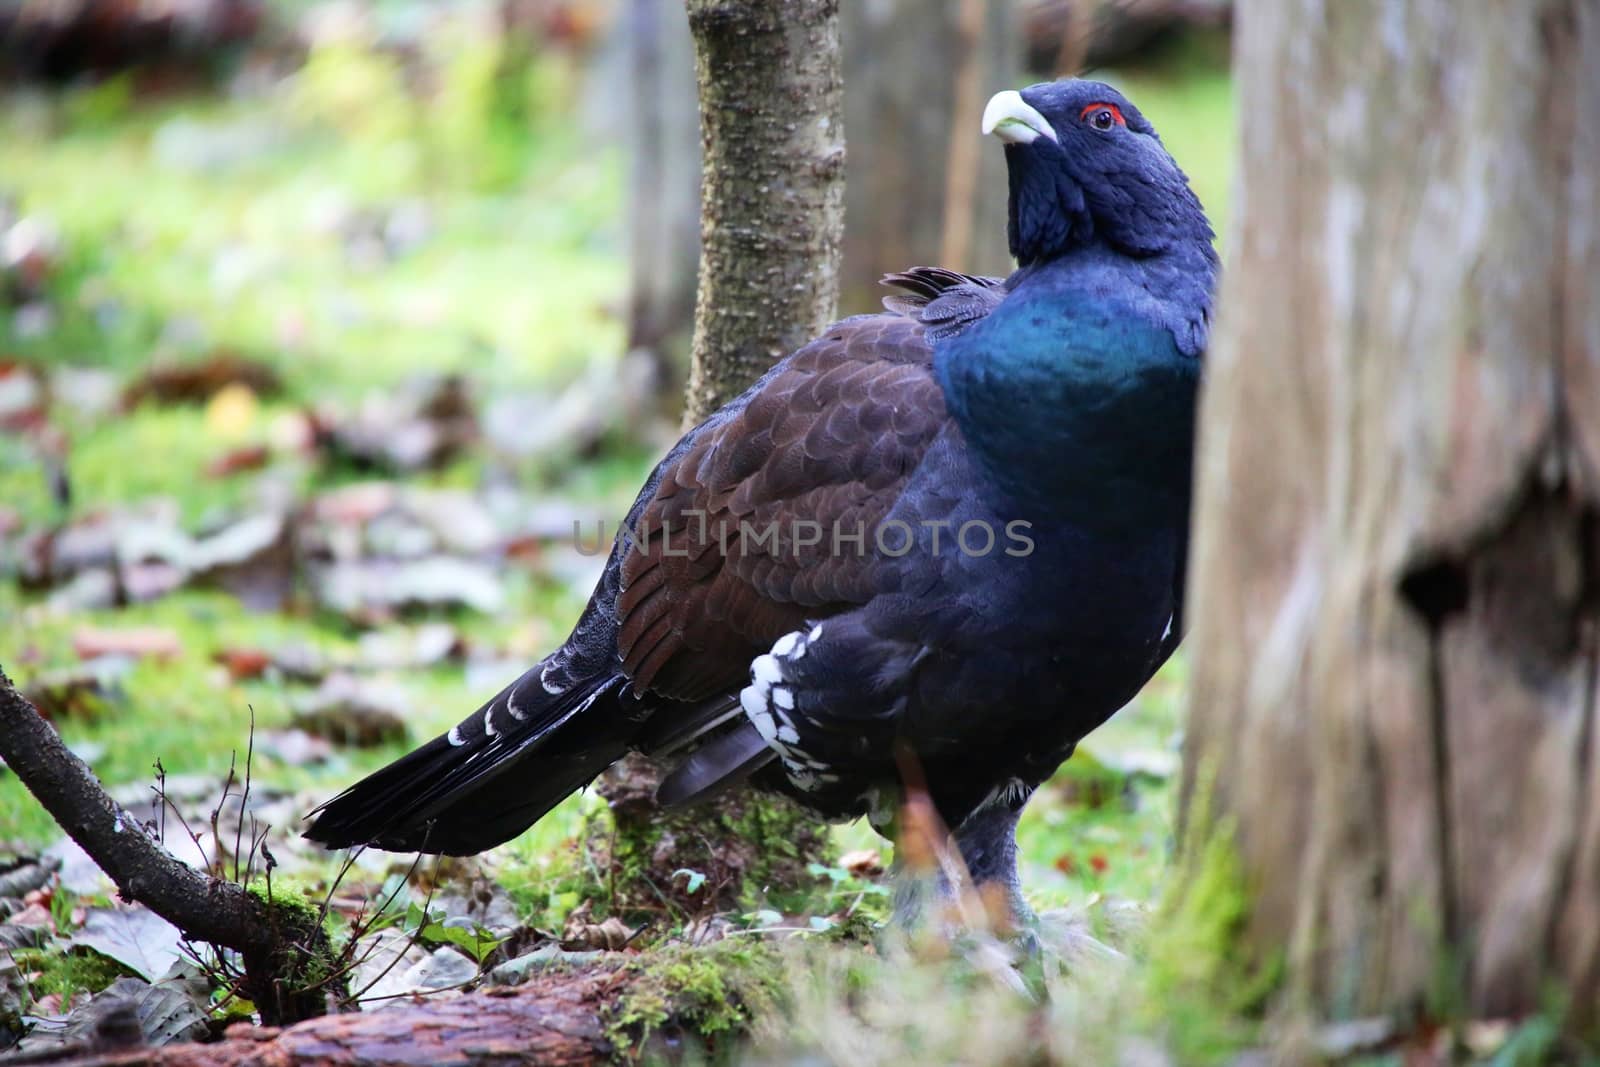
[(1397, 562), (663, 185), (922, 190), (772, 186)]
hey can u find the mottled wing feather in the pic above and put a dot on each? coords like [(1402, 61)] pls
[(829, 439), (944, 301)]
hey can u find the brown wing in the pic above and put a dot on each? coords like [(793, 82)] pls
[(719, 570)]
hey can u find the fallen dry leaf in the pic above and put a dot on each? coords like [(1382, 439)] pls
[(138, 642), (580, 933), (351, 711), (243, 664), (191, 383), (294, 748), (82, 692), (248, 458), (863, 863), (135, 937), (35, 915)]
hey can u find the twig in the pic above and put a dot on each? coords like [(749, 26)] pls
[(244, 800), (416, 935), (202, 907)]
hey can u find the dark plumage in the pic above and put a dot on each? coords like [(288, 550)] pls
[(955, 529)]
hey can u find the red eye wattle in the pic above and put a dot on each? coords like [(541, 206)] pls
[(1102, 116)]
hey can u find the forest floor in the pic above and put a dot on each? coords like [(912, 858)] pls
[(304, 385)]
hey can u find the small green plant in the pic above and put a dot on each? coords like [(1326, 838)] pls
[(435, 928)]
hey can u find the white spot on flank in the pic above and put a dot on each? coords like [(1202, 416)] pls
[(454, 737), (815, 634), (766, 671), (544, 680), (786, 643), (787, 735), (488, 723), (783, 697), (760, 715), (511, 706)]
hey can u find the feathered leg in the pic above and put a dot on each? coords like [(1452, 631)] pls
[(987, 843)]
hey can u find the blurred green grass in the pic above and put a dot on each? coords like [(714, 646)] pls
[(200, 223)]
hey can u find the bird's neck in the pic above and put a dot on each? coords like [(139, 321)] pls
[(1077, 395)]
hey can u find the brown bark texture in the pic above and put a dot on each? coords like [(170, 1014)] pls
[(1396, 586), (922, 189), (204, 908), (772, 187), (555, 1022)]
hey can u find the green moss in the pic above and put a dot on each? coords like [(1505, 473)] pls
[(1205, 988), (290, 898), (712, 993), (68, 973), (309, 956)]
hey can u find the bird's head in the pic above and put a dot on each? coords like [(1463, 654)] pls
[(1085, 166)]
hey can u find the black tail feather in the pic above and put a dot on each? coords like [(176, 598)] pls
[(491, 776), (718, 764)]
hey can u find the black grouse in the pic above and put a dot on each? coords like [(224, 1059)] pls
[(954, 530)]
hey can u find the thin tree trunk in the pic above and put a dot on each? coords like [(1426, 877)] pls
[(772, 187), (1397, 560), (921, 188), (772, 207)]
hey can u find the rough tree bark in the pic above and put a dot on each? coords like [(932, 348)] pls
[(276, 944), (921, 188), (556, 1020), (772, 207), (1397, 561), (772, 186)]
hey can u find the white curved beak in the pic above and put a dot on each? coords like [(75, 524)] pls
[(1010, 118)]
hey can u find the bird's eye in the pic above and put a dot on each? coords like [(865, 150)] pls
[(1102, 116)]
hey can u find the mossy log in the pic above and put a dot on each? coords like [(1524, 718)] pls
[(555, 1022), (624, 1007)]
